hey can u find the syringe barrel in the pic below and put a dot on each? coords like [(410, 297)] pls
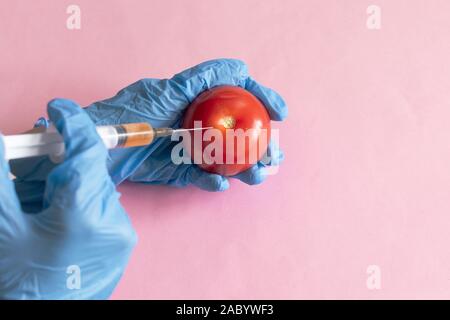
[(134, 134), (51, 143)]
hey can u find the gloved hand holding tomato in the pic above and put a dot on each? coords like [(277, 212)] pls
[(163, 103)]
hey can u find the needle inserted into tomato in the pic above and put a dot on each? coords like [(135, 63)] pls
[(230, 109)]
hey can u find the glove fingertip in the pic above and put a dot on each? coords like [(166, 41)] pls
[(212, 182), (275, 104), (58, 108), (276, 157), (280, 113), (281, 156), (209, 74), (253, 176), (208, 181)]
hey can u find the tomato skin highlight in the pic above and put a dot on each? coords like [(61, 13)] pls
[(229, 108)]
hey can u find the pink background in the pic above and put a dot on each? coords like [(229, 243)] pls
[(366, 178)]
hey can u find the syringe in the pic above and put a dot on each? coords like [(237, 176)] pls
[(51, 143)]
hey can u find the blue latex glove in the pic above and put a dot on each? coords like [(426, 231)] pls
[(82, 238), (162, 104)]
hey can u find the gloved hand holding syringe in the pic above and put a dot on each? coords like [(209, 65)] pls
[(51, 143)]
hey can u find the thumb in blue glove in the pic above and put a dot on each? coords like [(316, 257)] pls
[(82, 228)]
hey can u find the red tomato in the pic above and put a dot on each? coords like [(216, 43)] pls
[(229, 110)]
